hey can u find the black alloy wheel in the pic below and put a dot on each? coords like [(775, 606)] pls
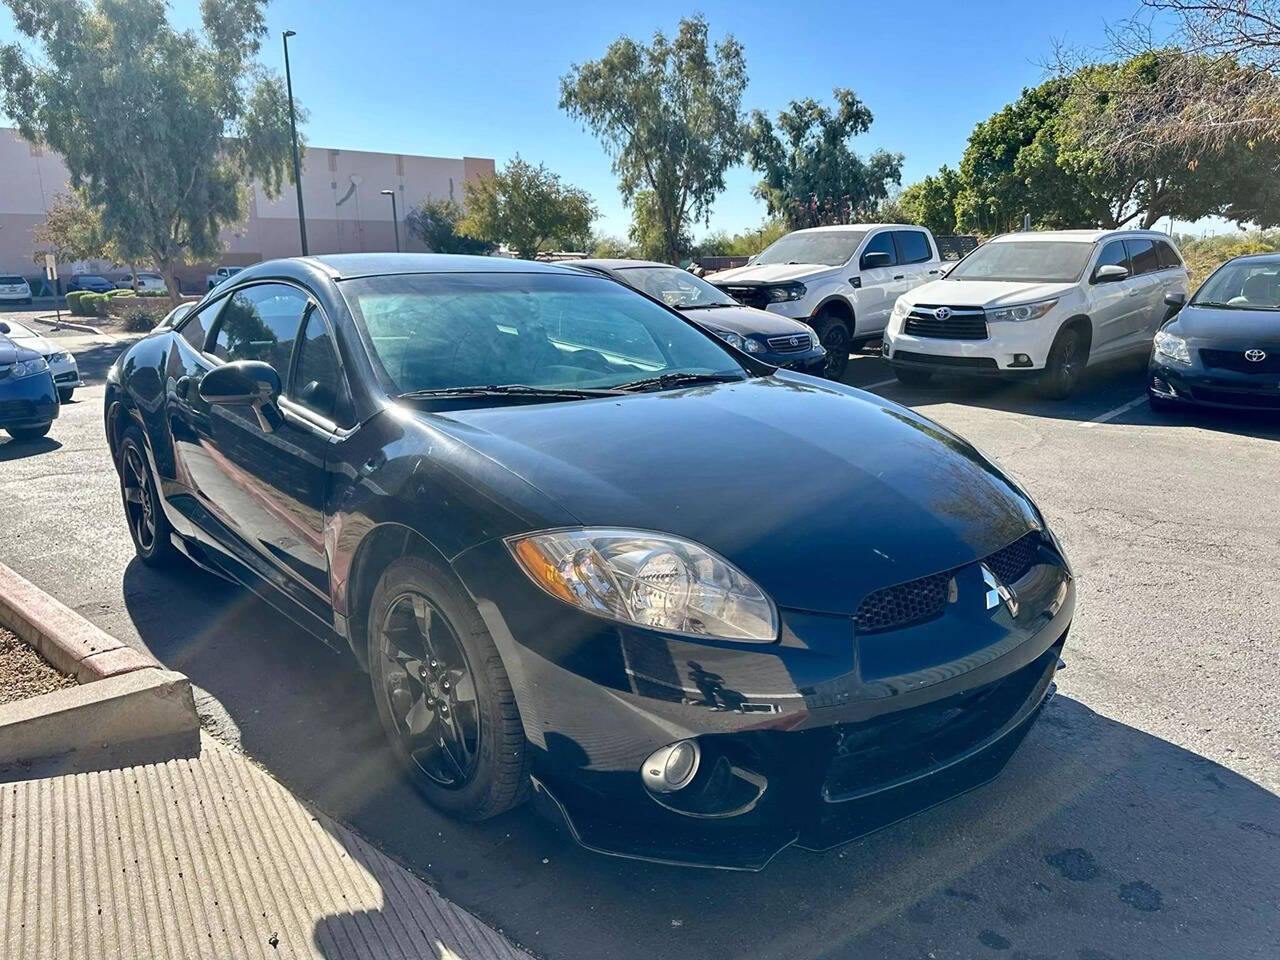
[(442, 693), (1066, 363), (835, 338), (148, 526)]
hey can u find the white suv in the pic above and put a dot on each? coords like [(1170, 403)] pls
[(1045, 304), (841, 280)]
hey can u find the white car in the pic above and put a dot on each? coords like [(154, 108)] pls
[(841, 280), (147, 283), (222, 273), (14, 289), (66, 374), (1043, 305)]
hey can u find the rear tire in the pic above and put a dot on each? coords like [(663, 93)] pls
[(1067, 359), (837, 340), (148, 526), (443, 695), (912, 378), (27, 434)]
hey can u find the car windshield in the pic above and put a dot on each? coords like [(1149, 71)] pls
[(10, 279), (675, 287), (1026, 261), (1244, 285), (91, 278), (437, 332), (828, 247)]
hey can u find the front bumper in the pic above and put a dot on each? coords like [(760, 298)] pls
[(995, 356), (813, 740), (29, 402), (1225, 389), (810, 361), (14, 296)]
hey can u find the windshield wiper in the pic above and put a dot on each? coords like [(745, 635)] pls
[(508, 390), (705, 306), (679, 380)]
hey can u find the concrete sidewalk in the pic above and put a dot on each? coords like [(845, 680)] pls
[(204, 857)]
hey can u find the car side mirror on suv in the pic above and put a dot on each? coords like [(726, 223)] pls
[(875, 258), (246, 382), (1175, 299), (1110, 273), (4, 327)]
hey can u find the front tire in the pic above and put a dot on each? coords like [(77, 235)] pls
[(64, 396), (443, 695), (27, 434), (836, 337), (148, 526), (1065, 365)]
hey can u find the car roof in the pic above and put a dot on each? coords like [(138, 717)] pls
[(1260, 257), (837, 227), (1083, 236), (345, 266), (616, 264)]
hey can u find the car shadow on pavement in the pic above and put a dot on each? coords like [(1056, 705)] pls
[(1098, 841), (11, 449)]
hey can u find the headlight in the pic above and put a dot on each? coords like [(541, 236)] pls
[(649, 579), (60, 357), (732, 339), (814, 342), (900, 309), (753, 346), (28, 368), (1172, 346), (1021, 311), (785, 291)]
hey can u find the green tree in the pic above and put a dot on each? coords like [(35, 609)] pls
[(648, 237), (527, 208), (435, 223), (72, 231), (611, 248), (670, 116), (931, 202), (811, 176), (162, 130)]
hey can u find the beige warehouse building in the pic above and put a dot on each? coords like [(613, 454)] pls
[(341, 190)]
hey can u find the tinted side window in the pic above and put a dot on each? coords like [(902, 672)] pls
[(881, 243), (195, 329), (914, 245), (318, 383), (260, 323), (1143, 256), (1113, 254), (1168, 256)]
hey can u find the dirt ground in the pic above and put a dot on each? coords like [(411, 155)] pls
[(23, 673)]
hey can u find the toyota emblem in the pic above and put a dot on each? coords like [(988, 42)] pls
[(942, 313), (795, 341), (1255, 356)]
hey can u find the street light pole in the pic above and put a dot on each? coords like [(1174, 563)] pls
[(293, 131), (395, 219)]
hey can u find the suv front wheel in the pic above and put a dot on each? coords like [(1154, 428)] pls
[(1067, 359)]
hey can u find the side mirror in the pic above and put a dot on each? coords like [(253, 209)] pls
[(1110, 273), (1175, 299), (4, 327), (875, 258), (246, 382)]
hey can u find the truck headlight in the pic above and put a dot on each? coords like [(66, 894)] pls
[(784, 291), (649, 579), (1021, 311), (1172, 346)]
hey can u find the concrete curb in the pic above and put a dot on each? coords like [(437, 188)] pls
[(60, 635), (146, 705), (82, 327)]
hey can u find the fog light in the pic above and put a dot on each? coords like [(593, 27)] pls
[(1162, 388), (672, 767), (1020, 360)]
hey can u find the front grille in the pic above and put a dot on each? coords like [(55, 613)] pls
[(1235, 360), (791, 343), (923, 599), (1238, 398), (750, 295), (973, 363), (963, 323)]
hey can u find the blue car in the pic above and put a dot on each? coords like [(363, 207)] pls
[(28, 397), (90, 282)]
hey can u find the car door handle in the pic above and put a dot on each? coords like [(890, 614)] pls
[(899, 276)]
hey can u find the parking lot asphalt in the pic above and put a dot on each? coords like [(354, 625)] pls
[(1141, 817)]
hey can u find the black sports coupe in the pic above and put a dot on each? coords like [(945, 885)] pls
[(698, 607), (1223, 348)]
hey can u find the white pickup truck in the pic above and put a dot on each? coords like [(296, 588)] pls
[(841, 280), (221, 274)]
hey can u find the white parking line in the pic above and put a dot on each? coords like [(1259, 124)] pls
[(1112, 414), (878, 383)]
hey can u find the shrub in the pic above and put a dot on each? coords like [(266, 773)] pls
[(139, 320), (95, 304), (73, 302), (119, 292)]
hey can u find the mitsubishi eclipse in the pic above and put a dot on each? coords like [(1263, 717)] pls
[(696, 607)]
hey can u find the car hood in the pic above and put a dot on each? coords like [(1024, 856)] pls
[(1225, 327), (770, 273), (747, 320), (820, 493), (983, 293), (40, 345), (12, 351)]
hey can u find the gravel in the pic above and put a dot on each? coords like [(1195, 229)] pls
[(24, 673)]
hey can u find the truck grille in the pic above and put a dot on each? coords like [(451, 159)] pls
[(791, 343), (748, 295), (925, 598), (958, 323), (1235, 360)]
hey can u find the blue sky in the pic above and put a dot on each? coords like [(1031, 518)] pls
[(481, 78)]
